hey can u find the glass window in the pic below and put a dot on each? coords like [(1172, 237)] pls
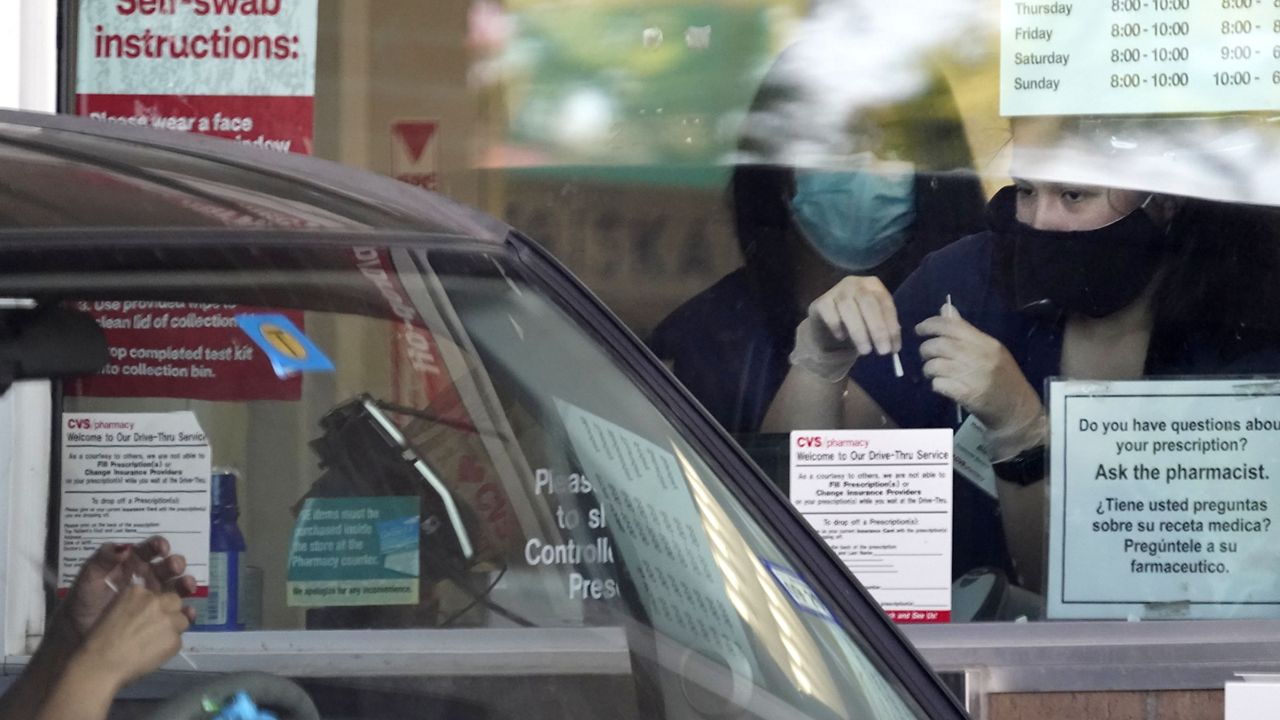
[(446, 467), (1009, 198)]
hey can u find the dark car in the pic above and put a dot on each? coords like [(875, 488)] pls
[(435, 476)]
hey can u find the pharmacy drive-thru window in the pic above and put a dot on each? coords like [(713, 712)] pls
[(989, 290)]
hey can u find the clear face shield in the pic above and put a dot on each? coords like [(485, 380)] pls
[(1222, 158)]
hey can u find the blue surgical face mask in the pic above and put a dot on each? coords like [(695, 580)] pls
[(856, 219)]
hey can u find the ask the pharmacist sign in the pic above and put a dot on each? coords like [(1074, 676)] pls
[(238, 69)]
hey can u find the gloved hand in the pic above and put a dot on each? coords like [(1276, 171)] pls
[(975, 370), (850, 320)]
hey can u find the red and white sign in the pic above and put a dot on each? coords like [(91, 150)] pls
[(239, 69), (167, 349), (882, 500), (415, 152)]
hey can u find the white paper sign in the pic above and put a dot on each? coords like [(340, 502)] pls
[(128, 476), (660, 536), (1162, 499), (1138, 56), (882, 500)]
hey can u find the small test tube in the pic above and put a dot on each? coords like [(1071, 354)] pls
[(897, 366)]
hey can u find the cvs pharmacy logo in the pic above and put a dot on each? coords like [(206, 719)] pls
[(809, 441), (78, 423)]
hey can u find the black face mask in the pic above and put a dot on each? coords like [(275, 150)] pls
[(1091, 272)]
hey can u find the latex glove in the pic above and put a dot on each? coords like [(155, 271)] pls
[(118, 564), (976, 370), (852, 319), (137, 633)]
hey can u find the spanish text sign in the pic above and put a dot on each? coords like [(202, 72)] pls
[(1138, 56), (1162, 495), (882, 501)]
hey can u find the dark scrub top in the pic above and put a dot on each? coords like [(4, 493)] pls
[(964, 271), (722, 348), (967, 270)]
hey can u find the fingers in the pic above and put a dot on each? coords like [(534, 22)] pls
[(159, 570), (170, 567), (939, 347), (183, 586), (860, 310), (851, 319), (106, 558), (949, 388), (876, 322), (171, 605), (943, 367), (942, 326), (153, 547), (829, 317), (890, 313)]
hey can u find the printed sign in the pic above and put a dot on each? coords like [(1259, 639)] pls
[(415, 152), (239, 69), (882, 500), (1138, 56), (659, 534), (170, 349), (1162, 495), (355, 551), (128, 476)]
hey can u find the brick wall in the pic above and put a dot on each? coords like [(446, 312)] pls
[(1164, 705)]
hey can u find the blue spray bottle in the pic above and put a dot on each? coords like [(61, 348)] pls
[(220, 611)]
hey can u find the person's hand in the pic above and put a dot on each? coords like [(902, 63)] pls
[(138, 632), (119, 565), (852, 319), (975, 370)]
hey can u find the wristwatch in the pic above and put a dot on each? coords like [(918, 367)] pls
[(1025, 468)]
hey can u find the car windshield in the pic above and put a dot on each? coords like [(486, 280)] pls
[(425, 445)]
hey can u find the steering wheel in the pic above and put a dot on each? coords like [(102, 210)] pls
[(271, 692)]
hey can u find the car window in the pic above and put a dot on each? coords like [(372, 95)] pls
[(407, 440)]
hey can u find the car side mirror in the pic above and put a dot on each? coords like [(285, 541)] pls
[(48, 342)]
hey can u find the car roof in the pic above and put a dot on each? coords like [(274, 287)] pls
[(79, 175)]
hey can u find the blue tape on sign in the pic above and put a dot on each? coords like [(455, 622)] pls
[(290, 351), (798, 591)]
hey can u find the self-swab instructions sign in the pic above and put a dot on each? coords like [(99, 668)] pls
[(882, 500), (1163, 496)]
